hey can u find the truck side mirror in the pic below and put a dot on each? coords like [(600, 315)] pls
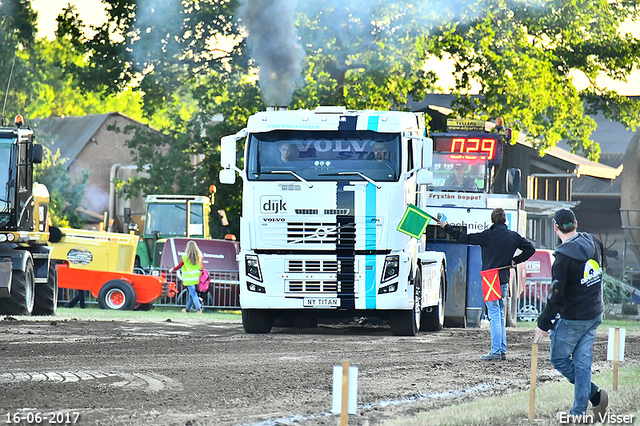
[(227, 176), (37, 153), (228, 152), (424, 177), (513, 181), (427, 153)]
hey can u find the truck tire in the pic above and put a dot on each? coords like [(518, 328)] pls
[(144, 307), (511, 310), (407, 322), (511, 304), (117, 295), (257, 321), (22, 292), (46, 299), (433, 317)]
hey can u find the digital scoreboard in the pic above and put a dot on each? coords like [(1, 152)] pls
[(488, 145)]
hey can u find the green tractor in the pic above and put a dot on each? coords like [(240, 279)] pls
[(170, 216)]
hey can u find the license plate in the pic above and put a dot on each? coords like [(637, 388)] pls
[(320, 302)]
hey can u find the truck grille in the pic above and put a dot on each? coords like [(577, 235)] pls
[(319, 233), (308, 266)]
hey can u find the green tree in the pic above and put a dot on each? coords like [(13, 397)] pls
[(65, 192), (361, 54)]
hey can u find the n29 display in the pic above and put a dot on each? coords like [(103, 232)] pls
[(488, 145)]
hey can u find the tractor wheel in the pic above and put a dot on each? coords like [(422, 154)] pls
[(22, 292), (117, 295), (46, 301)]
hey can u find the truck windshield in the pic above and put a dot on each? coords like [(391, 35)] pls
[(320, 155), (5, 185), (166, 219), (459, 172)]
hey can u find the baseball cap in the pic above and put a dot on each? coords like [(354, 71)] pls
[(564, 217)]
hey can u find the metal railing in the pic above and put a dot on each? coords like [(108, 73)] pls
[(224, 291), (533, 299)]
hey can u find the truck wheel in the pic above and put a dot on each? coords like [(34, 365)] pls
[(117, 295), (144, 307), (433, 320), (511, 304), (511, 310), (46, 300), (407, 323), (256, 321), (22, 292)]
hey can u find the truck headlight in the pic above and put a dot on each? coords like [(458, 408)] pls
[(252, 267), (391, 268)]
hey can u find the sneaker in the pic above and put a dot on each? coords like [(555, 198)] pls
[(492, 357), (600, 410), (199, 311), (185, 311)]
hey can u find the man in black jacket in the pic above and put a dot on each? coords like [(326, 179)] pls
[(575, 294), (499, 244)]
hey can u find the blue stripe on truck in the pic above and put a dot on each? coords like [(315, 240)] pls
[(370, 244), (372, 123)]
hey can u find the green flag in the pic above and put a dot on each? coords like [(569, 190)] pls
[(414, 221)]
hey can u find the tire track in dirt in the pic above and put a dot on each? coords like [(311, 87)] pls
[(151, 382)]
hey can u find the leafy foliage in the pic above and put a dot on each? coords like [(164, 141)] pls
[(189, 61), (65, 192)]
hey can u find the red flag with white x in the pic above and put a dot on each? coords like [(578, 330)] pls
[(491, 285)]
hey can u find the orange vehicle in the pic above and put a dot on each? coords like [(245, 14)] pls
[(102, 263)]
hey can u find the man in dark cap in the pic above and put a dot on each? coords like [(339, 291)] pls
[(576, 295), (499, 244)]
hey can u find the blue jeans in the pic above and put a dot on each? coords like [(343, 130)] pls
[(193, 298), (572, 355), (495, 308)]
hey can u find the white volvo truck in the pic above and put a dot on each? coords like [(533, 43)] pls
[(323, 193)]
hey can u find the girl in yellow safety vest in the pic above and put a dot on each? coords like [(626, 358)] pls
[(191, 265)]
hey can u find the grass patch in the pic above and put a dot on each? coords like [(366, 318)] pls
[(606, 324), (551, 398), (158, 313)]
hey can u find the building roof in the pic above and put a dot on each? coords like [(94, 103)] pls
[(71, 134), (582, 166), (590, 186), (545, 209)]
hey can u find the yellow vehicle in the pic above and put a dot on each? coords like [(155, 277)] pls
[(28, 283), (102, 263)]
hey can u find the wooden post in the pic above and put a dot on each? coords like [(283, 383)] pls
[(344, 415), (616, 356), (532, 388)]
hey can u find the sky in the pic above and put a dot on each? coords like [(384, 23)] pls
[(92, 13)]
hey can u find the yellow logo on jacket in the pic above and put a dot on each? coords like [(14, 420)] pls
[(592, 273)]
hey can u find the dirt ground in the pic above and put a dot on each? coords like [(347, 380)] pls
[(212, 373)]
